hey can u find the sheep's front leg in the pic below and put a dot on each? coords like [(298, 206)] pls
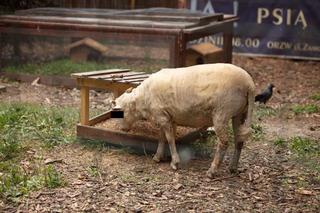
[(169, 131), (161, 145)]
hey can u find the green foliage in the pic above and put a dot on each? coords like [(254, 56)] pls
[(304, 146), (257, 132), (279, 142), (264, 111), (305, 150), (308, 108), (9, 146), (21, 122), (17, 182), (94, 171), (316, 97), (66, 67), (204, 145), (308, 152), (52, 179)]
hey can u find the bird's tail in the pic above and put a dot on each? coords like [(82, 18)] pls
[(245, 128)]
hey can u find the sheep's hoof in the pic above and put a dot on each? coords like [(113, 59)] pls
[(174, 166), (233, 170), (210, 173), (156, 158)]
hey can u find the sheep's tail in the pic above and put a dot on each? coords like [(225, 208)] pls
[(245, 128)]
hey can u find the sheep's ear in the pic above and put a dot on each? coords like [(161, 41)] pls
[(113, 103), (129, 90), (132, 105)]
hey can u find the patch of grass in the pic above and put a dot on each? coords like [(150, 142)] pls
[(304, 146), (307, 152), (93, 171), (9, 146), (58, 67), (21, 125), (308, 108), (49, 125), (66, 66), (257, 133), (17, 182), (316, 97), (279, 142), (203, 147), (52, 178), (264, 111)]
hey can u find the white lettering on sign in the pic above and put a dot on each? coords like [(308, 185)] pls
[(262, 14), (281, 45), (208, 8), (279, 15)]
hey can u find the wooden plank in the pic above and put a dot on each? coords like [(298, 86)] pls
[(216, 27), (227, 45), (133, 80), (46, 80), (102, 84), (114, 75), (77, 30), (133, 77), (99, 118), (3, 88), (117, 138), (144, 14), (207, 28), (113, 78), (84, 105), (126, 22), (99, 72)]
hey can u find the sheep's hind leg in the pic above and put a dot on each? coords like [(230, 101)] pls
[(238, 143), (221, 129)]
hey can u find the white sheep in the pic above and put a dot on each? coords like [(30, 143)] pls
[(197, 96)]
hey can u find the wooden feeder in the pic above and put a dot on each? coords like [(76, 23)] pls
[(117, 81), (86, 49), (204, 53)]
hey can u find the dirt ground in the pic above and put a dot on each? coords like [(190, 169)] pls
[(113, 180)]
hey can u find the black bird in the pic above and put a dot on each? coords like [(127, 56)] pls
[(265, 95)]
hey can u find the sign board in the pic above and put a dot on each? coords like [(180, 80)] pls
[(282, 28)]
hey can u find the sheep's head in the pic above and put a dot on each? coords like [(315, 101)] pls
[(127, 103)]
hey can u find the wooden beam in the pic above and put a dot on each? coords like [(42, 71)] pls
[(102, 84), (99, 118), (84, 105), (227, 46), (100, 72)]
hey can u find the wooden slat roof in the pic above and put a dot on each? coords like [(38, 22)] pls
[(152, 17)]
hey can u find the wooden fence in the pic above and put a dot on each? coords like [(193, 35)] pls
[(121, 4)]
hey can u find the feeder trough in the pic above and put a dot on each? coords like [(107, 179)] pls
[(106, 127)]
